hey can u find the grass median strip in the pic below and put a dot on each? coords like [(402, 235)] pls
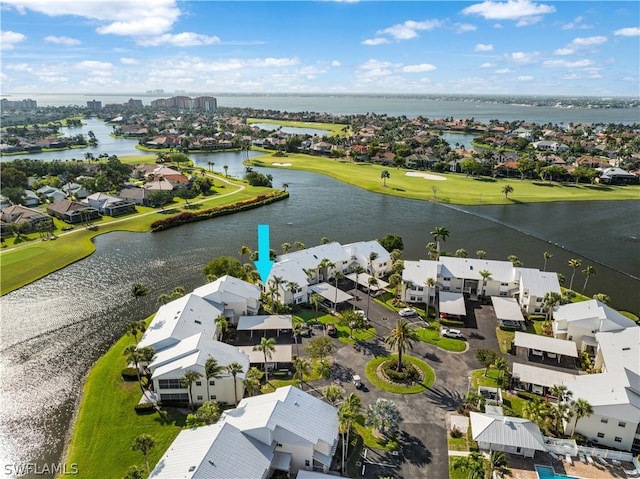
[(377, 381), (432, 336)]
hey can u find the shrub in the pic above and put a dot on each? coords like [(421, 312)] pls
[(129, 374), (456, 433), (408, 373)]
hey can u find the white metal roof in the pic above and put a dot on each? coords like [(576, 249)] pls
[(291, 271), (538, 283), (304, 474), (216, 290), (310, 258), (507, 308), (545, 343), (275, 321), (594, 313), (331, 293), (452, 303), (281, 354), (417, 272), (363, 280), (506, 430), (361, 252), (469, 268), (541, 376)]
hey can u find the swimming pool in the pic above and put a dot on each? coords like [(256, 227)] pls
[(546, 472)]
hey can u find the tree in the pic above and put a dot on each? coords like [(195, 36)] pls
[(138, 290), (561, 392), (15, 194), (551, 299), (358, 270), (301, 366), (333, 393), (224, 265), (507, 189), (226, 170), (439, 233), (144, 443), (187, 381), (299, 245), (136, 356), (497, 462), (383, 416), (481, 254), (370, 282), (461, 253), (297, 328), (244, 251), (267, 346), (353, 320), (212, 370), (134, 472), (401, 337), (252, 381), (348, 411), (222, 325), (580, 408), (514, 260), (135, 327), (208, 413), (602, 297), (574, 263), (316, 300), (285, 186), (156, 198), (372, 257), (486, 276), (486, 357), (338, 275), (320, 348), (385, 175), (391, 242), (234, 369), (473, 465), (429, 283), (588, 271), (547, 256), (537, 411)]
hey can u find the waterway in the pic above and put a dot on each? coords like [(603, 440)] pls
[(55, 328)]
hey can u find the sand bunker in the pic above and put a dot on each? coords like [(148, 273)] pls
[(281, 164), (426, 176)]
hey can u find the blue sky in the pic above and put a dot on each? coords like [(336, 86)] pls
[(486, 47)]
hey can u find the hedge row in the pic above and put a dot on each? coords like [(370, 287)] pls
[(189, 217)]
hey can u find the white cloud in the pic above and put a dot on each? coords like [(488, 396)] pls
[(129, 61), (525, 11), (374, 65), (184, 39), (67, 41), (525, 78), (487, 65), (120, 17), (628, 32), (375, 41), (409, 29), (502, 71), (567, 64), (576, 25), (8, 39), (483, 47), (422, 67), (336, 63), (523, 58), (579, 44), (464, 27)]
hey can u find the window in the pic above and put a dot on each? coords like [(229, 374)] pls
[(622, 424), (198, 397), (617, 439), (212, 397), (180, 397), (306, 462), (446, 279), (601, 435), (604, 420), (212, 382), (169, 384), (198, 383), (506, 284)]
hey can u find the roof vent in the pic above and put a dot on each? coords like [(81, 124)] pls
[(192, 468), (211, 462), (197, 321), (626, 349)]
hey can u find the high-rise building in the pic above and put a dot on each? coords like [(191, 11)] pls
[(205, 103), (27, 104), (94, 106), (133, 103)]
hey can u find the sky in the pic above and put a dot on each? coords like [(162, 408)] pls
[(490, 47)]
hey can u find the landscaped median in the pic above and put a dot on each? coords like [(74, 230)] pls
[(371, 370), (450, 187)]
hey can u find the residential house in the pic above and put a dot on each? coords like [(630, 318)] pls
[(169, 174), (191, 354), (30, 220), (110, 205), (72, 211), (288, 430), (234, 296), (136, 195), (75, 190), (547, 145), (30, 199), (533, 285), (51, 194), (617, 176), (309, 261), (513, 435), (361, 252), (4, 202)]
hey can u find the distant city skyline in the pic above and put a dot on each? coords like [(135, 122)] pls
[(513, 47)]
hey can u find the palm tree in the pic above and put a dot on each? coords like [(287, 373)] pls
[(187, 381), (347, 413), (551, 299), (498, 463), (581, 408), (588, 271), (333, 393), (138, 290), (473, 465), (574, 263), (296, 329), (486, 275), (371, 282), (316, 300), (502, 365), (395, 280), (506, 189), (252, 381), (277, 281), (401, 337), (338, 275), (135, 327), (299, 245), (267, 346), (561, 392), (432, 250), (439, 233), (602, 297), (536, 411), (285, 186), (384, 175), (358, 270), (461, 253), (286, 247), (244, 251), (292, 286), (222, 324), (144, 443), (481, 254), (429, 283), (383, 416), (226, 170), (212, 370), (372, 257), (234, 369), (324, 240), (301, 366), (547, 256)]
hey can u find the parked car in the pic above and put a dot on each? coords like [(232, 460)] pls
[(407, 312), (452, 333), (331, 330), (305, 330), (357, 382)]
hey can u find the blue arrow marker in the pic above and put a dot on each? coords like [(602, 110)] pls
[(264, 263)]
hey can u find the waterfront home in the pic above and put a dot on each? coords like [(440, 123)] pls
[(109, 205), (191, 354), (135, 195), (513, 435), (72, 211), (234, 296), (617, 176), (169, 174), (51, 194), (29, 220), (75, 190), (288, 430), (30, 199), (361, 254)]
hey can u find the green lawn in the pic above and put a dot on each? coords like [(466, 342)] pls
[(343, 331), (511, 401), (35, 258), (429, 375), (336, 129), (456, 188), (106, 423), (373, 442), (431, 335)]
